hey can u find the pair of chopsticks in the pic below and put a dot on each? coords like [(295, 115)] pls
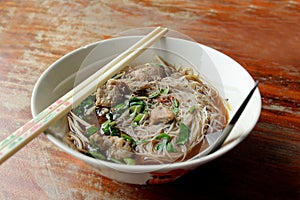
[(63, 105)]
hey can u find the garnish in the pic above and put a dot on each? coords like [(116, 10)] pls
[(154, 94), (192, 108), (109, 128), (95, 154), (184, 133), (161, 144), (91, 130)]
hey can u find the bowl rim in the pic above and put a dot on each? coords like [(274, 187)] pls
[(153, 167)]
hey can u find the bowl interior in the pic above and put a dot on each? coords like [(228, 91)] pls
[(231, 80)]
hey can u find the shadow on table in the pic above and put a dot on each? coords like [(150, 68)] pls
[(247, 172)]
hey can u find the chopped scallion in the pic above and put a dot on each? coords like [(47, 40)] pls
[(175, 103), (136, 109), (164, 91), (91, 130), (141, 141), (126, 137), (175, 111), (154, 94), (163, 136), (116, 161), (138, 117), (105, 127), (96, 155), (192, 108), (120, 107)]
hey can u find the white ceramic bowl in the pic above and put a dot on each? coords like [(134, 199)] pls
[(231, 79)]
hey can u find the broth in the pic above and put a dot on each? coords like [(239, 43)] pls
[(147, 114)]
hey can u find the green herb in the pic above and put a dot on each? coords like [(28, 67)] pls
[(159, 146), (192, 108), (184, 133), (142, 103), (164, 136), (105, 127), (134, 124), (129, 161), (108, 128), (136, 106), (164, 91), (114, 131), (116, 161), (80, 109), (154, 94), (93, 144), (134, 99), (120, 107), (126, 137), (170, 148), (175, 103), (112, 123), (141, 141), (138, 117), (91, 130), (136, 109), (117, 110), (175, 111), (95, 154)]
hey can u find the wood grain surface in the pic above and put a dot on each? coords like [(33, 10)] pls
[(262, 35)]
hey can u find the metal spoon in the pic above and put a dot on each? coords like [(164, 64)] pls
[(224, 134)]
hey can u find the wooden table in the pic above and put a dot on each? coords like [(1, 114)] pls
[(263, 36)]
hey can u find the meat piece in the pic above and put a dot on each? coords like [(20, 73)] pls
[(141, 77), (148, 72), (114, 146), (112, 93), (161, 114)]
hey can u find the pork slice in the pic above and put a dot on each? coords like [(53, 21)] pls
[(144, 76), (161, 114), (149, 72), (112, 93)]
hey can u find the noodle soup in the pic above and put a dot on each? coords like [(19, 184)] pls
[(147, 114)]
